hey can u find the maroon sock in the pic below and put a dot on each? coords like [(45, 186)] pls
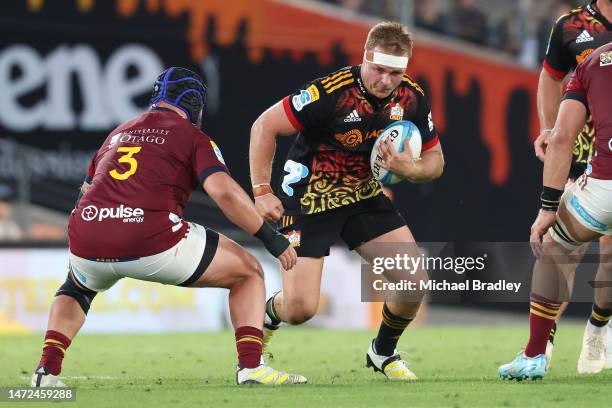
[(542, 315), (53, 351), (249, 344)]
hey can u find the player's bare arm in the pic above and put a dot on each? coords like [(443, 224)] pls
[(428, 168), (270, 124), (238, 208), (571, 118), (548, 99)]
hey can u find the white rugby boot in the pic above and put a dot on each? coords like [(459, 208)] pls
[(266, 375), (593, 354), (42, 378), (608, 364), (393, 367)]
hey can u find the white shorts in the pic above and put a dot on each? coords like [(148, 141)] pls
[(589, 200), (180, 265)]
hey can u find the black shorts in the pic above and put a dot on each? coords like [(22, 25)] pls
[(312, 235)]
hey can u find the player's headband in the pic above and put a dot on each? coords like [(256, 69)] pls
[(388, 60)]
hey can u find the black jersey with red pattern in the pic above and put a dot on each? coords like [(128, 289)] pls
[(573, 37), (328, 165)]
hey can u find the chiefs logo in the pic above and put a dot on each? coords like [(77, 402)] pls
[(352, 138), (581, 57)]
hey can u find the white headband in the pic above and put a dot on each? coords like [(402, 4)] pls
[(392, 61)]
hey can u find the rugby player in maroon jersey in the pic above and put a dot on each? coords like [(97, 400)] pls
[(573, 37), (129, 223), (572, 218)]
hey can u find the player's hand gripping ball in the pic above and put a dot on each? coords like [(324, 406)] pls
[(396, 133)]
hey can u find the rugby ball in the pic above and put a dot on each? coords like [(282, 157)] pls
[(397, 133)]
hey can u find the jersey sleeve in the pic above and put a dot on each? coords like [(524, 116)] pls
[(575, 88), (424, 122), (207, 158), (309, 107), (558, 61), (91, 169)]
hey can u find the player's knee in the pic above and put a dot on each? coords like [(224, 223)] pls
[(250, 269), (254, 268), (83, 296), (300, 311)]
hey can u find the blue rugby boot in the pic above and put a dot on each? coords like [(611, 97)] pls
[(523, 368)]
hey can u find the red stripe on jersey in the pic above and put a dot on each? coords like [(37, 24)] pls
[(554, 72), (430, 143), (296, 123)]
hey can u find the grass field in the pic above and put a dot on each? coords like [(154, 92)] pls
[(457, 368)]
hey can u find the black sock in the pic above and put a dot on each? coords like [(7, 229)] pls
[(391, 328), (600, 317), (551, 335), (271, 312)]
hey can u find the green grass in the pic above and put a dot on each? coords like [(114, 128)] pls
[(457, 367)]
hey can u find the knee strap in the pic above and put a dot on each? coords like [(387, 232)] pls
[(74, 290)]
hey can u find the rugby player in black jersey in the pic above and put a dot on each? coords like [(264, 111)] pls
[(328, 190)]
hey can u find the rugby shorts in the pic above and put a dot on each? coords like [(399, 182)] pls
[(589, 200), (312, 235), (181, 265)]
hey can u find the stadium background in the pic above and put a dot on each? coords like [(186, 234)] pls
[(71, 70)]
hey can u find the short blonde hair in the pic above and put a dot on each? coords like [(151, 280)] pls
[(392, 37)]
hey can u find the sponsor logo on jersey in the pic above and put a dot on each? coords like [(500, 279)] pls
[(605, 58), (123, 212), (305, 97), (354, 137), (430, 122), (139, 136), (584, 36), (353, 117), (351, 138), (217, 152), (397, 113), (294, 237)]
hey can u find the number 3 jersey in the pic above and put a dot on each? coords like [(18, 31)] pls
[(141, 179), (328, 165)]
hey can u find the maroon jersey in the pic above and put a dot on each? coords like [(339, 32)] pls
[(141, 179), (573, 37), (591, 84)]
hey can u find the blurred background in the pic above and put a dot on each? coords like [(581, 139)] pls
[(71, 70)]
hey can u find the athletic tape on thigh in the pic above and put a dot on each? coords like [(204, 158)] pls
[(561, 236)]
